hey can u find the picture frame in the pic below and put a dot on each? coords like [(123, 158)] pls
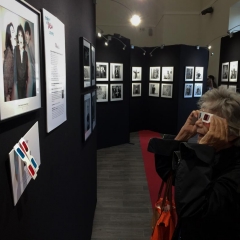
[(94, 113), (225, 72), (85, 63), (233, 73), (93, 65), (102, 92), (17, 99), (101, 71), (136, 89), (224, 86), (154, 73), (198, 89), (188, 90), (154, 89), (116, 92), (189, 73), (167, 74), (136, 73), (87, 118), (116, 72), (232, 88), (199, 73), (166, 90)]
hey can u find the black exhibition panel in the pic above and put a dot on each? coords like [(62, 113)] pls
[(138, 105), (113, 116), (229, 52), (60, 203)]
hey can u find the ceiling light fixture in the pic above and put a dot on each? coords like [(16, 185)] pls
[(135, 20), (162, 47), (197, 47)]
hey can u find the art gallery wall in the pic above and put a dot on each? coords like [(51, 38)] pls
[(60, 203), (113, 116)]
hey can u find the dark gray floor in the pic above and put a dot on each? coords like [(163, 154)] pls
[(123, 209)]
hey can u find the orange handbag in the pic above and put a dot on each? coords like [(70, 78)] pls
[(164, 217)]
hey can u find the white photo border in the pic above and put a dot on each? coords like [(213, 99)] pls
[(227, 74), (164, 69), (140, 90), (191, 93), (102, 85), (201, 69), (111, 92), (150, 75), (87, 132), (98, 79), (201, 88), (162, 88), (113, 78), (140, 73), (157, 87), (189, 79)]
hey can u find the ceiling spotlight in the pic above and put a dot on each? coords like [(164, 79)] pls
[(212, 54), (124, 47), (132, 46), (106, 43), (144, 53), (209, 46), (231, 34), (150, 54), (207, 10), (162, 46), (135, 20), (198, 47), (99, 34)]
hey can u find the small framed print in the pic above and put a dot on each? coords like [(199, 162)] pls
[(224, 86), (136, 89), (154, 89), (101, 71), (167, 74), (87, 116), (233, 71), (102, 92), (199, 73), (116, 92), (225, 72), (189, 71), (93, 67), (232, 88), (166, 90), (198, 89), (154, 73), (188, 90), (136, 73), (116, 71), (86, 59), (93, 109)]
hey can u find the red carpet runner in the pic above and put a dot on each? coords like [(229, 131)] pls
[(149, 163)]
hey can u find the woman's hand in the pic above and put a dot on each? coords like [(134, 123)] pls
[(189, 129)]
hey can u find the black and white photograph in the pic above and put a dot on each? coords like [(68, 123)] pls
[(197, 89), (93, 66), (116, 92), (167, 74), (154, 89), (189, 73), (225, 72), (116, 71), (101, 71), (224, 86), (87, 116), (233, 71), (93, 109), (102, 92), (136, 73), (136, 89), (232, 88), (188, 90), (86, 63), (199, 73), (166, 90), (154, 73), (20, 59)]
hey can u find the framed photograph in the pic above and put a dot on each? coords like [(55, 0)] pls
[(93, 65), (85, 53), (116, 92), (136, 73), (225, 72), (101, 71), (87, 116), (199, 73), (233, 71), (197, 89), (166, 90), (224, 86), (188, 90), (154, 89), (20, 47), (136, 89), (154, 73), (167, 74), (93, 109), (232, 88), (116, 71), (102, 92), (189, 73)]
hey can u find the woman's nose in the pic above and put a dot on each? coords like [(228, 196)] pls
[(199, 123)]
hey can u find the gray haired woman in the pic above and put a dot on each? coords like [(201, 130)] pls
[(206, 173)]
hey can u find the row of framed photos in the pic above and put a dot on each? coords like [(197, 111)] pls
[(116, 71), (193, 73), (193, 90), (116, 92), (229, 74), (230, 87)]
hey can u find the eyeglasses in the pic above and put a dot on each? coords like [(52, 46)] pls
[(206, 117)]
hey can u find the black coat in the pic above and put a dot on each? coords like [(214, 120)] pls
[(207, 188)]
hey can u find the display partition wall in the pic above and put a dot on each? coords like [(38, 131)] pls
[(60, 203)]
